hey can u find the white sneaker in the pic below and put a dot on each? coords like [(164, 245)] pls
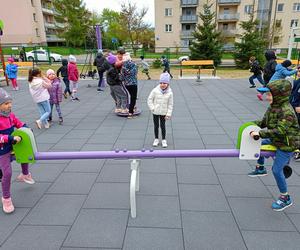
[(155, 142), (164, 143), (38, 124), (47, 125)]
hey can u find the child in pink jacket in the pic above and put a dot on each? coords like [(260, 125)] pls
[(55, 93), (73, 76)]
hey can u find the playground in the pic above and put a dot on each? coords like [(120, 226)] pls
[(182, 203)]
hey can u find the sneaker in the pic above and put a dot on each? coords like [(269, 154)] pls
[(76, 99), (60, 121), (25, 178), (17, 88), (49, 119), (164, 143), (282, 203), (124, 111), (130, 116), (38, 124), (258, 172), (99, 90), (252, 86), (8, 206), (118, 110), (47, 125), (260, 96), (65, 95), (155, 142), (297, 156)]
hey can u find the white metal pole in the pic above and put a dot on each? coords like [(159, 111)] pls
[(291, 40)]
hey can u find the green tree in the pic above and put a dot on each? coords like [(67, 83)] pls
[(207, 43), (251, 44), (76, 18)]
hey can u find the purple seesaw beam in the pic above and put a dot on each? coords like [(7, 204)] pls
[(124, 154)]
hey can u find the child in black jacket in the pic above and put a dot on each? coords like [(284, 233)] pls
[(64, 73)]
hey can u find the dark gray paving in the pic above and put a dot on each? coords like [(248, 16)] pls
[(184, 204)]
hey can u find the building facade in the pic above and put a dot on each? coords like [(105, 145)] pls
[(29, 22), (175, 20)]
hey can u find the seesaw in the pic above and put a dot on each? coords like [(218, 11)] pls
[(247, 149), (136, 112)]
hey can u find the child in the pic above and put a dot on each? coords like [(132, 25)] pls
[(55, 93), (282, 131), (129, 79), (282, 71), (8, 121), (64, 73), (38, 87), (11, 71), (166, 65), (116, 88), (160, 102), (119, 62), (256, 70), (145, 66), (73, 77)]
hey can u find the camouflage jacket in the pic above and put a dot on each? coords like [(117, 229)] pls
[(280, 122)]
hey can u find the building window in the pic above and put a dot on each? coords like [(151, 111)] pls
[(34, 17), (37, 32), (226, 11), (225, 26), (32, 3), (168, 28), (187, 27), (280, 7), (168, 11), (276, 39), (296, 7), (294, 22), (248, 9), (278, 23)]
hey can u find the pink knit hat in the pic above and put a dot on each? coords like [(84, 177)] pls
[(10, 59)]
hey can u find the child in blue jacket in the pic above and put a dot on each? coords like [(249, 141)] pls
[(11, 70)]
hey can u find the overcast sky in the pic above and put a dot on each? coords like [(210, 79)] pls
[(99, 5)]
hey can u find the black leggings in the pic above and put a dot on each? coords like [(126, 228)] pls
[(132, 89), (156, 119)]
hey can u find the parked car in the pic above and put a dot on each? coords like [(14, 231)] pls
[(42, 55), (183, 58)]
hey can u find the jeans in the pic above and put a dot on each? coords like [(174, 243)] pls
[(282, 158), (258, 77), (45, 110), (100, 79)]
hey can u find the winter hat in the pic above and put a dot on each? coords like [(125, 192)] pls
[(127, 57), (111, 58), (4, 97), (10, 59), (72, 58), (286, 63), (121, 50), (165, 78), (49, 72)]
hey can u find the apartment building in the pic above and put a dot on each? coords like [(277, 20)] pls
[(175, 20), (29, 22)]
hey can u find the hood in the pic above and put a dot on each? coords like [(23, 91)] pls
[(129, 65), (36, 83), (270, 54), (279, 68), (64, 62), (281, 91)]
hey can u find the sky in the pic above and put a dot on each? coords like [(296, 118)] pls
[(99, 5)]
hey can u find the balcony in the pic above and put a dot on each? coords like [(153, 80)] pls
[(189, 3), (228, 17), (186, 33), (47, 9), (54, 38), (229, 33), (59, 25), (189, 19), (229, 2), (49, 25)]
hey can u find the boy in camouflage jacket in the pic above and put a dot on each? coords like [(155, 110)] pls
[(281, 130)]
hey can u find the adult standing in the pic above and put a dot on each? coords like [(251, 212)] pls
[(99, 62)]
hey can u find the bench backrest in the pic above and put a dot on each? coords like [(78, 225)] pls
[(24, 64), (197, 62), (294, 62)]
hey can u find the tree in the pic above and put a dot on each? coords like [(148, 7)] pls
[(207, 43), (251, 44), (132, 19), (76, 19)]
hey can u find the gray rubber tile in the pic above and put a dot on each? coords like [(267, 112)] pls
[(85, 166), (98, 228), (211, 230), (151, 238)]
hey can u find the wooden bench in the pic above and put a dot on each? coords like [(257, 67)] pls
[(198, 64), (24, 65), (294, 62)]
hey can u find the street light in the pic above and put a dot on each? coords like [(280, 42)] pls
[(291, 40), (99, 34)]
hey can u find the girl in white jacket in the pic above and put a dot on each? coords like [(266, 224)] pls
[(38, 87), (160, 102)]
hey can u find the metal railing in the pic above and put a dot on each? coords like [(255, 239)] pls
[(189, 3), (230, 32), (229, 16), (189, 18), (229, 1), (186, 33)]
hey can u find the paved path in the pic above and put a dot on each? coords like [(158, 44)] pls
[(186, 204)]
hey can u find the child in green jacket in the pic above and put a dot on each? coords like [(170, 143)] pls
[(281, 129)]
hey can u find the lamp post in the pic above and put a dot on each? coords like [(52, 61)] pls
[(291, 40)]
